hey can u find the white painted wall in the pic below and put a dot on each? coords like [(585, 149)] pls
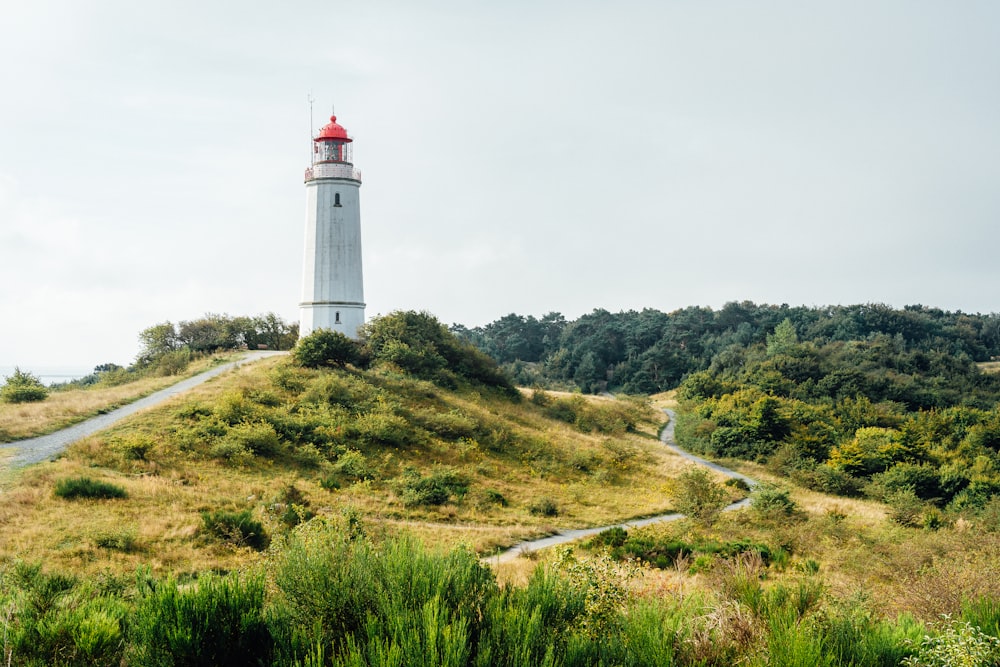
[(332, 279)]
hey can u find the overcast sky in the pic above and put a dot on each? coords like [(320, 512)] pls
[(516, 157)]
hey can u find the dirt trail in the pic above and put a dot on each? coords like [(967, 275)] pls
[(562, 537)]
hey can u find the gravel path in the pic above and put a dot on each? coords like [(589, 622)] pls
[(562, 537), (45, 447)]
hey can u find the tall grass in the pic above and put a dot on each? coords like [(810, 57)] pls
[(330, 596)]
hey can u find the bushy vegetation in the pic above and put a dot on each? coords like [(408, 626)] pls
[(326, 348), (698, 496), (22, 387), (330, 595), (85, 487), (236, 528)]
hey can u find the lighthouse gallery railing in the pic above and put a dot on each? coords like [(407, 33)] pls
[(332, 170)]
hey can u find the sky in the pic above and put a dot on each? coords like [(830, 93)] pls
[(516, 157)]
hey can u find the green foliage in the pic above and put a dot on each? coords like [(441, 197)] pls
[(419, 344), (772, 502), (22, 387), (119, 540), (216, 621), (957, 644), (324, 347), (905, 508), (85, 487), (258, 438), (437, 488), (698, 496), (544, 506), (236, 528)]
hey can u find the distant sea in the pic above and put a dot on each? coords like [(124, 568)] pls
[(48, 374)]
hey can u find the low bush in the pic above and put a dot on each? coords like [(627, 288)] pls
[(324, 347), (85, 487), (258, 438), (236, 528), (436, 488), (544, 507), (698, 496), (772, 502), (22, 387), (119, 540)]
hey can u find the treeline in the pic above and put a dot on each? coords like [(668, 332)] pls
[(650, 351), (212, 333), (168, 348)]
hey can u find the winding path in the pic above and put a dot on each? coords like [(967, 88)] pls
[(45, 447), (562, 537)]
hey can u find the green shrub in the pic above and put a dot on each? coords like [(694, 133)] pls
[(380, 428), (612, 537), (119, 540), (324, 347), (544, 506), (258, 438), (434, 489), (957, 643), (217, 621), (173, 363), (353, 466), (772, 502), (231, 451), (905, 508), (22, 387), (236, 528), (85, 487), (698, 496)]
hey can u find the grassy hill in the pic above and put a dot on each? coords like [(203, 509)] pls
[(339, 515), (450, 465)]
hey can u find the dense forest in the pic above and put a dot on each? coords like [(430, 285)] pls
[(650, 351), (851, 400)]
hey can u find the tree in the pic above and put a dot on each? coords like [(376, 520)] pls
[(783, 338), (157, 341), (22, 387)]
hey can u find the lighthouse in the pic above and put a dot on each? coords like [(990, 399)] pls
[(332, 283)]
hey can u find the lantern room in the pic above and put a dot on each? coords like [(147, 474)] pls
[(332, 144)]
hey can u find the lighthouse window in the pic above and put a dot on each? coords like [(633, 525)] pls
[(336, 199), (337, 316)]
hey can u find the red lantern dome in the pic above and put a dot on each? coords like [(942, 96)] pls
[(333, 130)]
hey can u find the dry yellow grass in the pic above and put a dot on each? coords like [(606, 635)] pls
[(593, 479), (63, 408), (989, 366)]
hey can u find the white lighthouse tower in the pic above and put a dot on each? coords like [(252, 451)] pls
[(332, 285)]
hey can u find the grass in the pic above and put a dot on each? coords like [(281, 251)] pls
[(67, 407), (989, 366), (163, 459), (382, 434)]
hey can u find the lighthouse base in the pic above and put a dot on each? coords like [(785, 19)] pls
[(347, 318)]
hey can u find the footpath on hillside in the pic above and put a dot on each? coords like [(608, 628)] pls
[(564, 536), (45, 447)]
